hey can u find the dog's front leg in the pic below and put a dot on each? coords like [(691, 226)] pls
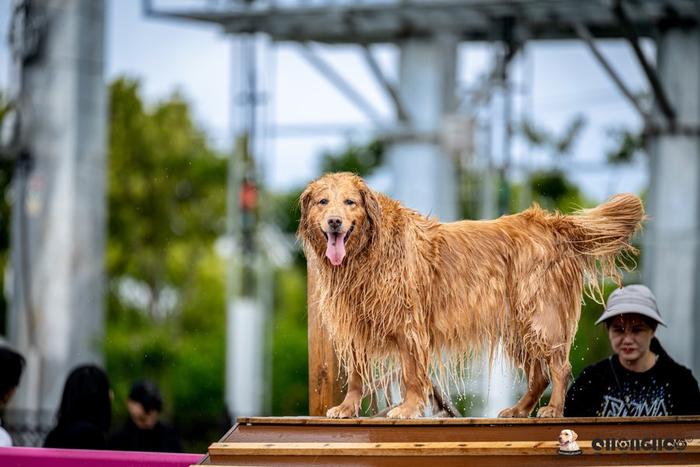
[(416, 381), (350, 407)]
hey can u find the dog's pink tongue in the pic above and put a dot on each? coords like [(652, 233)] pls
[(335, 249)]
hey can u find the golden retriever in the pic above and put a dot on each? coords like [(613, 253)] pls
[(398, 290)]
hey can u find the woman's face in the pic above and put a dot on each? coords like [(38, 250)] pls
[(630, 336)]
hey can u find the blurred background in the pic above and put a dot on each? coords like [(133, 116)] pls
[(153, 153)]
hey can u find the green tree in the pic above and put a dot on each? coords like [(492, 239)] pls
[(165, 315)]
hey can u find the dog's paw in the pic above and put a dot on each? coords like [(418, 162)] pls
[(404, 411), (342, 411), (550, 412), (512, 412)]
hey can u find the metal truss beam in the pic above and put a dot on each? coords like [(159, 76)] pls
[(585, 35), (384, 82), (394, 20), (652, 77), (341, 84)]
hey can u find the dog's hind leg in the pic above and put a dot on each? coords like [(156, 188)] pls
[(416, 380), (536, 384), (560, 372), (350, 407)]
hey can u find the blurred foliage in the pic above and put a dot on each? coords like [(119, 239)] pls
[(558, 144), (166, 310), (361, 160), (290, 372), (7, 167), (552, 190), (626, 145), (470, 188)]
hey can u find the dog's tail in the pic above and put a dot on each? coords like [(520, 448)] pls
[(601, 237)]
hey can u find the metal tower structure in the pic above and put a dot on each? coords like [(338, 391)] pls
[(427, 32), (59, 212), (247, 307)]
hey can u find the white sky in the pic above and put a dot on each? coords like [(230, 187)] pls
[(558, 79)]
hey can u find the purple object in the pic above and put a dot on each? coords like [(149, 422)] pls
[(47, 457)]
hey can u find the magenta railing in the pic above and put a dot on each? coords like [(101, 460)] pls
[(46, 457)]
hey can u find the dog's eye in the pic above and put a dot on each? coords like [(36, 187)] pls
[(349, 202), (323, 201)]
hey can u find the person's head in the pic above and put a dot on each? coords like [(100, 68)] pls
[(630, 335), (86, 398), (11, 365), (144, 404), (631, 317)]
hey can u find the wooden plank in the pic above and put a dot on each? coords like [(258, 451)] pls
[(465, 421), (493, 448), (324, 384), (266, 431)]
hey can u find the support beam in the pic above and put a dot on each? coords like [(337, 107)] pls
[(325, 385), (384, 82), (654, 82), (341, 84), (585, 35)]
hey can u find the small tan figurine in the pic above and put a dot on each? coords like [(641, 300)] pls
[(567, 443)]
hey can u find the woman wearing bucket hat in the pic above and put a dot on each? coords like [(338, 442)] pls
[(640, 378)]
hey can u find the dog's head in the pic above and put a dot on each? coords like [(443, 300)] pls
[(566, 437), (339, 214)]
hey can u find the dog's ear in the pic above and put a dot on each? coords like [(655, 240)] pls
[(373, 210), (304, 205), (574, 436)]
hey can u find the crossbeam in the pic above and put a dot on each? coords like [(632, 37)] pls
[(392, 20)]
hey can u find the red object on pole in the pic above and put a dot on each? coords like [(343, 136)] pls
[(248, 196)]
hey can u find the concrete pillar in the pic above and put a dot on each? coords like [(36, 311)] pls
[(424, 177), (58, 231), (671, 253)]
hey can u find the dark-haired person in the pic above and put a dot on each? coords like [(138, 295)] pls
[(85, 411), (11, 365), (143, 430), (640, 378)]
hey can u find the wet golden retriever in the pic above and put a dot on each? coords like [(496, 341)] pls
[(396, 289)]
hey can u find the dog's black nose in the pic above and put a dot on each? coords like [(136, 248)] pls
[(334, 223)]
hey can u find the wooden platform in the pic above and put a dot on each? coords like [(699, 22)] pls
[(457, 441)]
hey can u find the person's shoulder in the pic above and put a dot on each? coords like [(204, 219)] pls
[(76, 435), (119, 437), (595, 369), (669, 365), (52, 440), (169, 436)]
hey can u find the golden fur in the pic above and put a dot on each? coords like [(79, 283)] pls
[(405, 290)]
